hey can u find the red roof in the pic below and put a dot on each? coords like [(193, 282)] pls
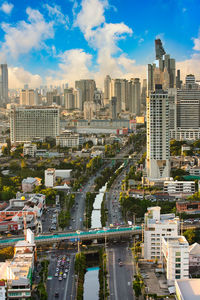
[(2, 283)]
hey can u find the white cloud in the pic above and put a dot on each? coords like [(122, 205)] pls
[(55, 13), (7, 7), (74, 65), (25, 36), (104, 38), (17, 77), (91, 15), (197, 43), (190, 66)]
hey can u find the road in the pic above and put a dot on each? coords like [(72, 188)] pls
[(64, 287), (120, 277)]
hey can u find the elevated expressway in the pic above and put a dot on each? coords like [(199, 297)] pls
[(78, 235)]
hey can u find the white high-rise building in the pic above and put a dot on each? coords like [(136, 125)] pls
[(158, 147), (29, 123), (3, 84), (175, 251), (158, 226), (49, 177)]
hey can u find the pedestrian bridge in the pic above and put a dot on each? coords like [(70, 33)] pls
[(77, 236)]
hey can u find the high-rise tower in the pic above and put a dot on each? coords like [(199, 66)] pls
[(3, 84), (158, 148)]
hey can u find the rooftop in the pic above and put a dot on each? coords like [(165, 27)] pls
[(176, 241), (189, 288)]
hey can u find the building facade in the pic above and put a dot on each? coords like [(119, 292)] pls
[(3, 84), (29, 123), (158, 147), (179, 187), (158, 226), (175, 252)]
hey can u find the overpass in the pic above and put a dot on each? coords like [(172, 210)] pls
[(77, 236)]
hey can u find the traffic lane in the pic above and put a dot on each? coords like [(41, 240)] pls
[(124, 273), (120, 277), (55, 285), (70, 293)]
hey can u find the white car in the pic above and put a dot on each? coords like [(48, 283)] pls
[(64, 275)]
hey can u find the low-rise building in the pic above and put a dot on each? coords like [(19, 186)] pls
[(187, 289), (69, 139), (188, 207), (29, 149), (179, 187), (175, 252), (52, 174), (194, 255), (157, 226), (195, 171), (28, 184)]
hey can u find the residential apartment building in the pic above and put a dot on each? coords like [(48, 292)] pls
[(157, 226), (69, 139), (29, 97), (29, 149), (179, 187), (50, 177), (158, 148), (175, 251), (28, 123)]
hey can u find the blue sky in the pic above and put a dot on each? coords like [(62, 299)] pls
[(51, 42)]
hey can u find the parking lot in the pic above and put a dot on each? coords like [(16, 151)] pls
[(155, 283)]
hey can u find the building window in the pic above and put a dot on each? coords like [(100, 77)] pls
[(178, 259), (178, 253), (178, 276)]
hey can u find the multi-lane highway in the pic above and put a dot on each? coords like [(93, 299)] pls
[(121, 271)]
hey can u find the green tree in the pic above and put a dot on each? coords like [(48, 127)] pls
[(190, 235)]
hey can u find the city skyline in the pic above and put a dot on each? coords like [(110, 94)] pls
[(45, 43)]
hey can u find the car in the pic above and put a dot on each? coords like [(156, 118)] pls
[(60, 278), (56, 274), (64, 275), (120, 263), (57, 269), (56, 294), (66, 270)]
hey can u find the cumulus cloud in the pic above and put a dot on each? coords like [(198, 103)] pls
[(190, 66), (7, 7), (17, 77), (56, 13), (74, 65), (25, 36), (197, 43), (104, 38)]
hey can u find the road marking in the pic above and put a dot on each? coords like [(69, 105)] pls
[(114, 276), (66, 286)]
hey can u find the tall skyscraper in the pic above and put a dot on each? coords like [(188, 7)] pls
[(144, 92), (3, 84), (49, 96), (186, 125), (113, 108), (165, 73), (87, 87), (29, 97), (158, 147), (28, 123), (69, 99), (135, 99), (107, 90)]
